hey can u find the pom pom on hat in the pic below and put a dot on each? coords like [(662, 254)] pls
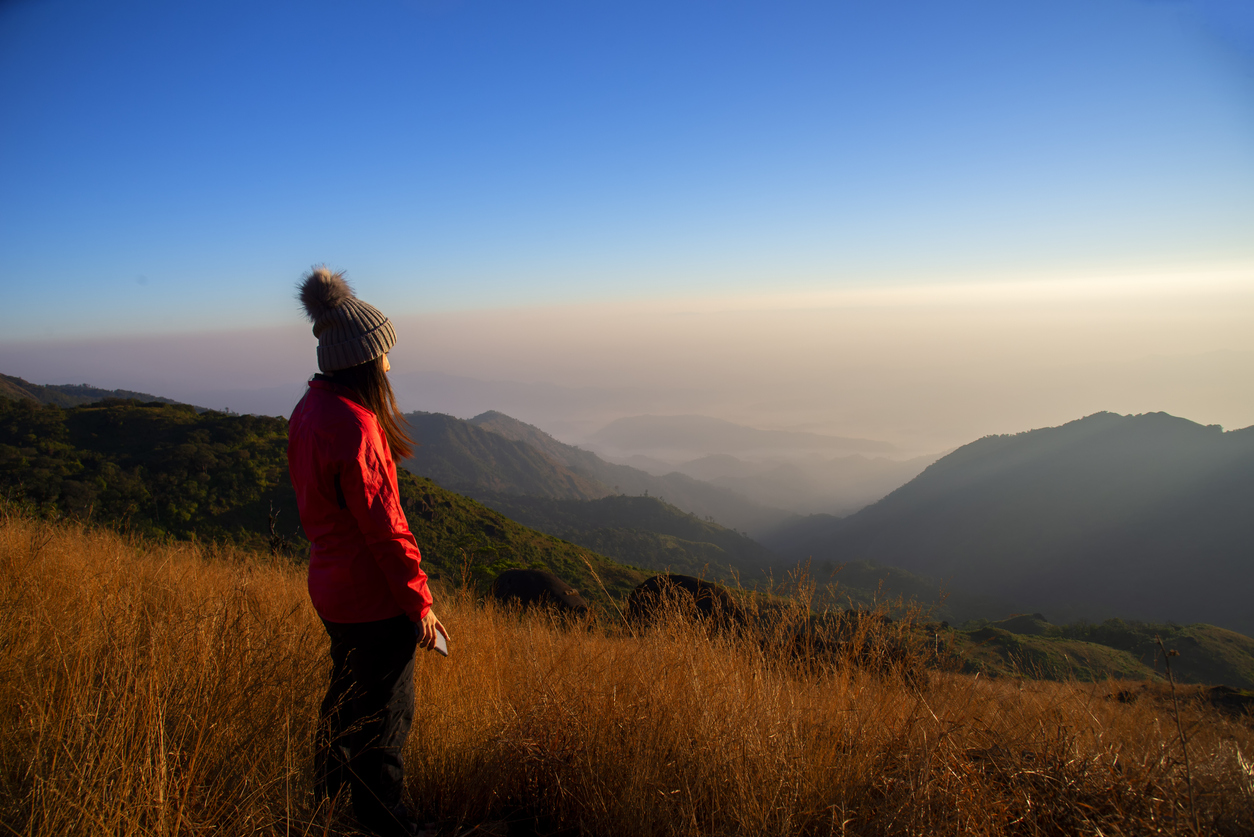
[(349, 331), (322, 291)]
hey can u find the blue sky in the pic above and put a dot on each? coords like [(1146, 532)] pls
[(491, 172), (176, 165)]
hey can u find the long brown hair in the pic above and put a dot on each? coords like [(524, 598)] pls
[(370, 384)]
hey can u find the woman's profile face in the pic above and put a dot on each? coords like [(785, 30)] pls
[(387, 365)]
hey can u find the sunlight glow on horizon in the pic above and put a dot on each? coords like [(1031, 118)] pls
[(926, 366), (907, 219)]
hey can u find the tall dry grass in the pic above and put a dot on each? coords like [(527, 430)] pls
[(164, 690)]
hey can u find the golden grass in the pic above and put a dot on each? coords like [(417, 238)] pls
[(161, 690)]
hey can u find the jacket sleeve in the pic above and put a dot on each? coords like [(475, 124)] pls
[(368, 480)]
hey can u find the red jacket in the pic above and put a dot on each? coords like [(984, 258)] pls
[(364, 563)]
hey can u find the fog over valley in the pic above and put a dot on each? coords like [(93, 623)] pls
[(922, 368)]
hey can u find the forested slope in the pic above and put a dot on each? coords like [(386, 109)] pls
[(644, 532), (165, 471), (726, 507), (1144, 517)]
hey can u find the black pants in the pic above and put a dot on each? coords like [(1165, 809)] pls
[(366, 716)]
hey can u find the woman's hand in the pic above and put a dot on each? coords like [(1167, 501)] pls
[(425, 630)]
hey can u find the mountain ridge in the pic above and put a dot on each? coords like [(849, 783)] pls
[(164, 471), (72, 395), (558, 459), (1131, 515)]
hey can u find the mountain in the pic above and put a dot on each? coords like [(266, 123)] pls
[(679, 438), (69, 395), (495, 454), (1030, 645), (643, 532), (463, 457), (1145, 517), (647, 531), (166, 471)]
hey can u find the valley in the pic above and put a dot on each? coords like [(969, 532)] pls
[(493, 493)]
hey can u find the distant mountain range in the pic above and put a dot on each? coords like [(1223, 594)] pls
[(1146, 517), (495, 454), (165, 471), (800, 472), (642, 531), (527, 475), (1142, 517), (70, 395), (463, 457)]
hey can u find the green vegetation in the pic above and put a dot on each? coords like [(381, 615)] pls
[(160, 470), (463, 539), (69, 395), (164, 471), (1144, 516), (1030, 645), (495, 454), (167, 472), (172, 689), (473, 461), (1207, 654), (643, 531)]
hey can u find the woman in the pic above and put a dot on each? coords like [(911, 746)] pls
[(365, 581)]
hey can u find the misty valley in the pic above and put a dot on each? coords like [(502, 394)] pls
[(1117, 528)]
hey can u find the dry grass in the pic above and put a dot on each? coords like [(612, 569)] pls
[(172, 690)]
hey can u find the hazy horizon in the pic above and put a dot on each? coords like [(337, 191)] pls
[(913, 222), (924, 369)]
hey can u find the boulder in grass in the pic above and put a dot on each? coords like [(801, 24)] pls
[(538, 588), (704, 599)]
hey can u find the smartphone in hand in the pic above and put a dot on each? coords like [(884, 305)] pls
[(441, 644)]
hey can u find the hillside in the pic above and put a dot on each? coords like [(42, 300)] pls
[(793, 479), (865, 586), (641, 531), (472, 457), (173, 688), (1144, 517), (465, 458), (1029, 645), (649, 533), (69, 395), (165, 471)]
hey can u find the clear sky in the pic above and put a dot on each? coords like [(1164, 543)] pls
[(169, 169)]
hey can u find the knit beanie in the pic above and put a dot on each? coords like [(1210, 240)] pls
[(349, 331)]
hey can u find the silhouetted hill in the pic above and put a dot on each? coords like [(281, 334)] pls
[(465, 458), (70, 395), (166, 471), (1146, 517), (487, 454), (648, 531)]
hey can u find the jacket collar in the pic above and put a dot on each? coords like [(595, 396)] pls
[(322, 382)]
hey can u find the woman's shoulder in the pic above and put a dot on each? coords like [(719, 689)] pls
[(324, 408)]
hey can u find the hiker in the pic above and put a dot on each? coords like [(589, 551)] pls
[(365, 579)]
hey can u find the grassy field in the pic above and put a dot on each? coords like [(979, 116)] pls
[(172, 689)]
